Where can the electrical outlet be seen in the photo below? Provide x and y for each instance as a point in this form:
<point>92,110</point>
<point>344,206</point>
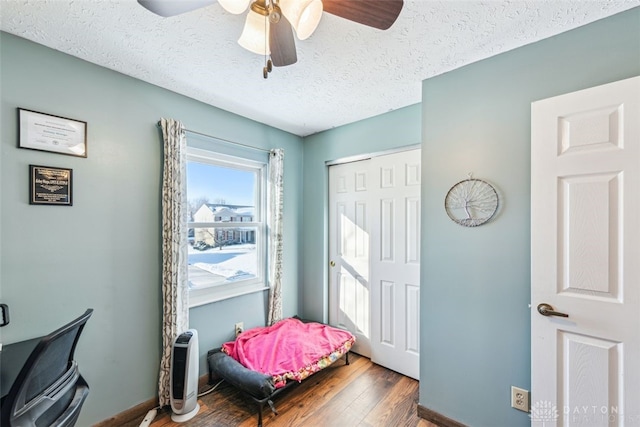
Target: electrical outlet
<point>520,399</point>
<point>239,328</point>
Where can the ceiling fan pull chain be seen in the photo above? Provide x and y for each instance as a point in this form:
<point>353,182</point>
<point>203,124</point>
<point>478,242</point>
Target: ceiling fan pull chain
<point>267,62</point>
<point>267,69</point>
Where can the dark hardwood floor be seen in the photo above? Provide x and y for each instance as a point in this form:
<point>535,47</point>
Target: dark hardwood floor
<point>359,394</point>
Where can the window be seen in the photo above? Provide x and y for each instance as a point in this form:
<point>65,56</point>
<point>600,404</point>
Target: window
<point>225,258</point>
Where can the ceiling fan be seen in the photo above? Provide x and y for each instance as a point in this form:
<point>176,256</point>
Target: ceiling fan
<point>270,24</point>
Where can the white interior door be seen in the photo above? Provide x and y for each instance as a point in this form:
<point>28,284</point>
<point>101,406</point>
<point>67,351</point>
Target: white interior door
<point>349,248</point>
<point>585,250</point>
<point>395,262</point>
<point>374,250</point>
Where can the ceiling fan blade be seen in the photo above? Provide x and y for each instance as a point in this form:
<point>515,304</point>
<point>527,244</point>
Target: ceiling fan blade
<point>380,14</point>
<point>168,8</point>
<point>282,43</point>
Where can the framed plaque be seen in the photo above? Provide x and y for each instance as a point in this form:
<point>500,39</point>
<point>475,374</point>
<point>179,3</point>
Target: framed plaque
<point>50,186</point>
<point>44,132</point>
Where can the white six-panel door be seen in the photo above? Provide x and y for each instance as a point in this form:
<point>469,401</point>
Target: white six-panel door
<point>585,249</point>
<point>395,262</point>
<point>375,246</point>
<point>349,250</point>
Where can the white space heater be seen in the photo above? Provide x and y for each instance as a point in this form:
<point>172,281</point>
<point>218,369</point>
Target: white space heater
<point>184,376</point>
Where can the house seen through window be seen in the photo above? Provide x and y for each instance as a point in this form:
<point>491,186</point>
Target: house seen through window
<point>226,226</point>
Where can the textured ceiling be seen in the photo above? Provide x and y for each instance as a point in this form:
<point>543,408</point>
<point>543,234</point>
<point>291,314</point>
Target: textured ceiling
<point>345,71</point>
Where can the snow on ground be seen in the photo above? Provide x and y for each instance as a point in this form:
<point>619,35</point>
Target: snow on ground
<point>233,262</point>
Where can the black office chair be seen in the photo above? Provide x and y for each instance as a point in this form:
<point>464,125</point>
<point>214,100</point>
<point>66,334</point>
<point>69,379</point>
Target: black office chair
<point>49,390</point>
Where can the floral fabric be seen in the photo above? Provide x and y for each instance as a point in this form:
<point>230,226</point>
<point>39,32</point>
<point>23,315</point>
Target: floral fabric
<point>175,293</point>
<point>276,179</point>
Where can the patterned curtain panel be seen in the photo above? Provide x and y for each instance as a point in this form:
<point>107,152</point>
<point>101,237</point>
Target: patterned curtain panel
<point>175,292</point>
<point>276,166</point>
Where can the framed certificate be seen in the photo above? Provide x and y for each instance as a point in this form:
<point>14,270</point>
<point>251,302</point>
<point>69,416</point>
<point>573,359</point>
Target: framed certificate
<point>50,186</point>
<point>44,132</point>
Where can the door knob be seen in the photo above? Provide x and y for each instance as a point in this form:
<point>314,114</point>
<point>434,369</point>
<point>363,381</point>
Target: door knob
<point>547,310</point>
<point>332,264</point>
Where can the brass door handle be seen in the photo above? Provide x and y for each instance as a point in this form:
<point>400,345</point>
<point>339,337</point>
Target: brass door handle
<point>547,310</point>
<point>332,263</point>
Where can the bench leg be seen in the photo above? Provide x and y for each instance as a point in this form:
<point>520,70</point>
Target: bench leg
<point>260,406</point>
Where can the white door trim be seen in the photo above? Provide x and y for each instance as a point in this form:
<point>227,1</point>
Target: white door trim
<point>359,157</point>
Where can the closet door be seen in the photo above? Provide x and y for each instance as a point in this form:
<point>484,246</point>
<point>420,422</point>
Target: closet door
<point>395,261</point>
<point>374,253</point>
<point>349,247</point>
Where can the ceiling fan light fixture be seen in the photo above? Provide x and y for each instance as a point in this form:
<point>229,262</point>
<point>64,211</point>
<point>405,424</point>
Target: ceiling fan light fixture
<point>254,36</point>
<point>304,15</point>
<point>235,7</point>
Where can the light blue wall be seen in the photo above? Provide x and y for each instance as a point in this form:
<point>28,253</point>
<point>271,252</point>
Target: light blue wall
<point>392,130</point>
<point>475,339</point>
<point>104,252</point>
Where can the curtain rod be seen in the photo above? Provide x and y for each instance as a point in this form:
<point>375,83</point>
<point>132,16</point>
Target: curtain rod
<point>223,140</point>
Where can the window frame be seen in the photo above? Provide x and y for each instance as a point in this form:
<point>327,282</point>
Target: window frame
<point>202,296</point>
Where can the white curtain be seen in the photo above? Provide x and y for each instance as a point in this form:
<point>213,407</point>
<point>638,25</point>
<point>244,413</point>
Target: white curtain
<point>276,166</point>
<point>175,292</point>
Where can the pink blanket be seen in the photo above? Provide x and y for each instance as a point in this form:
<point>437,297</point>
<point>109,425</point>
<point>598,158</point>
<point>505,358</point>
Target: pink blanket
<point>290,349</point>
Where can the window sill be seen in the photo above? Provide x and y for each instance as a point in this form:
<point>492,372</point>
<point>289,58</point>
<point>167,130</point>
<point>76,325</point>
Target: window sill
<point>198,297</point>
